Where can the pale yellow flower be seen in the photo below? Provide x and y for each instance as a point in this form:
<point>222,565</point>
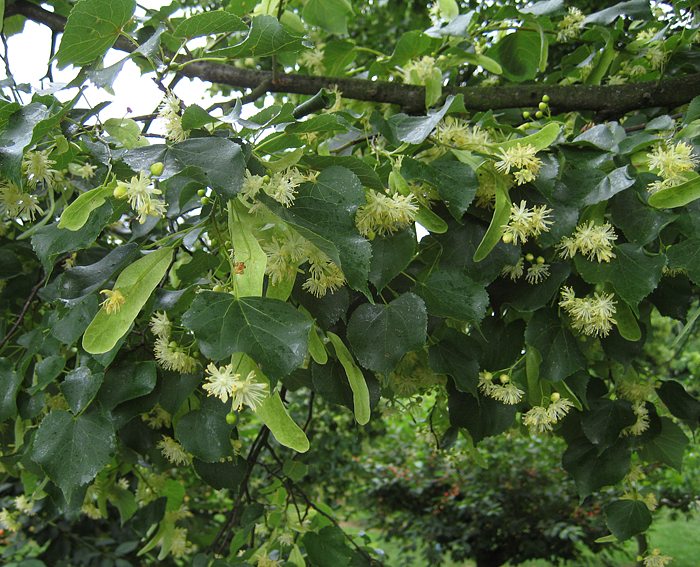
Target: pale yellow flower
<point>113,302</point>
<point>173,451</point>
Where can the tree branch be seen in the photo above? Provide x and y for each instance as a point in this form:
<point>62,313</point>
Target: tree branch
<point>609,100</point>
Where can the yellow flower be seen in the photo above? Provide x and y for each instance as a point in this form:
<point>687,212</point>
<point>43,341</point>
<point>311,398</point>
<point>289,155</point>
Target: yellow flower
<point>591,240</point>
<point>385,214</point>
<point>37,168</point>
<point>570,26</point>
<point>221,381</point>
<point>248,392</point>
<point>522,160</point>
<point>591,316</point>
<point>173,357</point>
<point>173,451</point>
<point>16,203</point>
<point>170,111</point>
<point>160,325</point>
<point>655,559</point>
<point>113,302</point>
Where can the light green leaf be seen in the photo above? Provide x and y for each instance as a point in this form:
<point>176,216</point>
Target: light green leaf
<point>275,416</point>
<point>493,235</point>
<point>358,385</point>
<point>539,140</point>
<point>246,249</point>
<point>626,322</point>
<point>127,131</point>
<point>266,37</point>
<point>331,15</point>
<point>135,283</point>
<point>677,196</point>
<point>316,349</point>
<point>76,214</point>
<point>92,28</point>
<point>209,23</point>
<point>519,54</point>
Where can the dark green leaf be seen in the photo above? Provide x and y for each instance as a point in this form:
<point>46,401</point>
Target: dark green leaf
<point>679,402</point>
<point>381,334</point>
<point>196,117</point>
<point>324,212</point>
<point>639,9</point>
<point>457,355</point>
<point>126,383</point>
<point>328,548</point>
<point>667,447</point>
<point>606,420</point>
<point>686,256</point>
<point>561,356</point>
<point>10,381</point>
<point>449,292</point>
<point>204,432</point>
<point>272,332</point>
<point>16,136</point>
<point>229,474</point>
<point>482,417</point>
<point>92,28</point>
<point>367,176</point>
<point>47,370</point>
<point>80,387</point>
<point>603,136</point>
<point>456,182</point>
<point>639,222</point>
<point>533,297</point>
<point>626,518</point>
<point>593,469</point>
<point>73,450</point>
<point>415,129</point>
<point>390,256</point>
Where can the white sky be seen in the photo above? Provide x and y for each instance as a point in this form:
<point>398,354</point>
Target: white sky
<point>134,94</point>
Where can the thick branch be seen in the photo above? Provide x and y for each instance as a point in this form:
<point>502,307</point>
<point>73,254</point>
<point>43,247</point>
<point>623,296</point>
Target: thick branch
<point>610,100</point>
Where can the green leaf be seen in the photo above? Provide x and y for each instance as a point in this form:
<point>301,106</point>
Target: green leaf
<point>367,176</point>
<point>381,334</point>
<point>390,256</point>
<point>593,469</point>
<point>196,117</point>
<point>482,417</point>
<point>229,474</point>
<point>411,45</point>
<point>204,432</point>
<point>639,222</point>
<point>10,382</point>
<point>324,212</point>
<point>457,355</point>
<point>127,382</point>
<point>79,388</point>
<point>450,292</point>
<point>519,55</point>
<point>328,548</point>
<point>316,348</point>
<point>358,385</point>
<point>266,37</point>
<point>415,129</point>
<point>92,28</point>
<point>16,136</point>
<point>540,140</point>
<point>75,215</point>
<point>679,402</point>
<point>246,249</point>
<point>275,416</point>
<point>560,353</point>
<point>638,9</point>
<point>330,15</point>
<point>606,420</point>
<point>456,182</point>
<point>136,284</point>
<point>209,23</point>
<point>46,371</point>
<point>126,131</point>
<point>667,447</point>
<point>626,518</point>
<point>686,256</point>
<point>626,322</point>
<point>272,332</point>
<point>633,273</point>
<point>493,235</point>
<point>677,196</point>
<point>73,450</point>
<point>220,160</point>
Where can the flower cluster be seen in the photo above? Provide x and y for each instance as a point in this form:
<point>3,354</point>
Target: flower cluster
<point>170,112</point>
<point>114,299</point>
<point>521,160</point>
<point>540,419</point>
<point>671,163</point>
<point>570,26</point>
<point>142,195</point>
<point>37,168</point>
<point>84,171</point>
<point>16,203</point>
<point>458,133</point>
<point>524,223</point>
<point>312,59</point>
<point>173,451</point>
<point>591,240</point>
<point>504,391</point>
<point>592,316</point>
<point>172,356</point>
<point>418,71</point>
<point>413,375</point>
<point>282,186</point>
<point>642,423</point>
<point>385,214</point>
<point>324,274</point>
<point>223,382</point>
<point>655,559</point>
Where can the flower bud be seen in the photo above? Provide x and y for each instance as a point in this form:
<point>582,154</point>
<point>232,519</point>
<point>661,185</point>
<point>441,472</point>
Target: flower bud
<point>545,98</point>
<point>507,238</point>
<point>542,106</point>
<point>504,378</point>
<point>201,192</point>
<point>539,114</point>
<point>540,260</point>
<point>231,418</point>
<point>526,115</point>
<point>555,397</point>
<point>157,168</point>
<point>530,257</point>
<point>119,192</point>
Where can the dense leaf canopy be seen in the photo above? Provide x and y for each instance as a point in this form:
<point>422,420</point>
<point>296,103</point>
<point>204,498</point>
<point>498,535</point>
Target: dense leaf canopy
<point>478,206</point>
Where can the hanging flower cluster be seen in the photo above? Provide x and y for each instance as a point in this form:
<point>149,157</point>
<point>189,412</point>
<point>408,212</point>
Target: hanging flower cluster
<point>524,222</point>
<point>222,382</point>
<point>570,25</point>
<point>592,316</point>
<point>385,214</point>
<point>142,195</point>
<point>169,354</point>
<point>671,163</point>
<point>540,419</point>
<point>521,160</point>
<point>504,391</point>
<point>169,111</point>
<point>591,240</point>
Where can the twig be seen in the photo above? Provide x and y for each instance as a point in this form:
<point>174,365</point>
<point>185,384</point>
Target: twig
<point>23,312</point>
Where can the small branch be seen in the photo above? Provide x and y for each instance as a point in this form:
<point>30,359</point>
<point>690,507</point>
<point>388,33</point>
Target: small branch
<point>310,414</point>
<point>23,312</point>
<point>609,100</point>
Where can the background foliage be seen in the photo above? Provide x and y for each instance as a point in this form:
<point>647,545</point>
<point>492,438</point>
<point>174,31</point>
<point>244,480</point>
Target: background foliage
<point>205,335</point>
